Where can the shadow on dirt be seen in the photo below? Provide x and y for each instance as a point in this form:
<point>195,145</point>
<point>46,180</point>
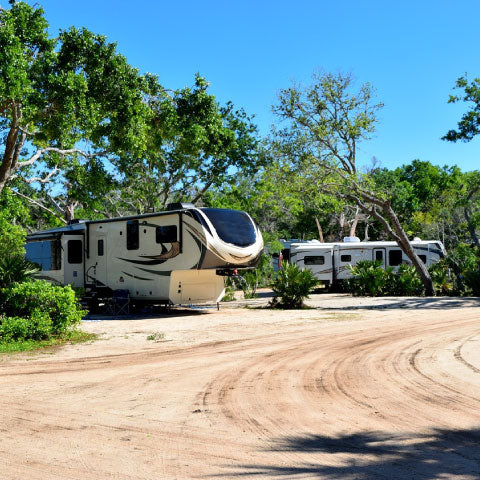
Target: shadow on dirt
<point>408,303</point>
<point>153,313</point>
<point>371,456</point>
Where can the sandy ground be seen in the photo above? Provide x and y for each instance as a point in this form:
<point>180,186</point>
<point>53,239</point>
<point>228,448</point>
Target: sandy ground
<point>349,389</point>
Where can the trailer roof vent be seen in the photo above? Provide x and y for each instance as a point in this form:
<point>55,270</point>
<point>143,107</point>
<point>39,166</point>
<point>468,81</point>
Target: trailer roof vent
<point>179,206</point>
<point>351,239</point>
<point>417,239</point>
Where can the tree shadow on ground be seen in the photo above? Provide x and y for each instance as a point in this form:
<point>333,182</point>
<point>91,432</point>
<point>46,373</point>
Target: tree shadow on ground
<point>149,314</point>
<point>408,303</point>
<point>439,454</point>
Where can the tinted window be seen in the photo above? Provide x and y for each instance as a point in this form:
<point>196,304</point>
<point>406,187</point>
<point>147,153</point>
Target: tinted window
<point>46,254</point>
<point>132,235</point>
<point>75,253</point>
<point>423,258</point>
<point>379,255</point>
<point>232,226</point>
<point>100,248</point>
<point>199,218</point>
<point>320,260</point>
<point>167,234</point>
<point>395,257</point>
<point>346,258</point>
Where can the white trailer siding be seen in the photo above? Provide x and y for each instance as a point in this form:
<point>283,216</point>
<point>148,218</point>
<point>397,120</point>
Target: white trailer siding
<point>339,256</point>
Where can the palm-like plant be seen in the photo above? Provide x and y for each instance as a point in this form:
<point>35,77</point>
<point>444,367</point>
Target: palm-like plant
<point>292,286</point>
<point>16,268</point>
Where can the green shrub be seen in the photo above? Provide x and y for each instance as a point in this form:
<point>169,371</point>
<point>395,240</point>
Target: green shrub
<point>28,299</point>
<point>37,327</point>
<point>250,280</point>
<point>292,286</point>
<point>229,291</point>
<point>369,278</point>
<point>472,281</point>
<point>13,328</point>
<point>442,282</point>
<point>406,282</point>
<point>15,268</point>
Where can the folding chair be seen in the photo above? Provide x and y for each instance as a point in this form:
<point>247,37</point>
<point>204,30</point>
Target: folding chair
<point>120,302</point>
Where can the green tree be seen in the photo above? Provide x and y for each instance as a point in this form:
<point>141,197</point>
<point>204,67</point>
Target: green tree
<point>63,98</point>
<point>468,129</point>
<point>469,124</point>
<point>425,197</point>
<point>335,120</point>
<point>193,144</point>
<point>12,234</point>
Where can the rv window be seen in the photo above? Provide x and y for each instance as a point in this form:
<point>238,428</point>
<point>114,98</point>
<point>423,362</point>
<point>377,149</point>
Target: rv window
<point>394,257</point>
<point>100,248</point>
<point>167,234</point>
<point>345,258</point>
<point>378,255</point>
<point>423,258</point>
<point>132,235</point>
<point>314,260</point>
<point>46,254</point>
<point>75,253</point>
<point>232,226</point>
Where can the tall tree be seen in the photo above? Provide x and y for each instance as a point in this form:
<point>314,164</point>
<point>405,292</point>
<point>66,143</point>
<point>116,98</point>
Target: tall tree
<point>63,98</point>
<point>468,129</point>
<point>335,120</point>
<point>193,143</point>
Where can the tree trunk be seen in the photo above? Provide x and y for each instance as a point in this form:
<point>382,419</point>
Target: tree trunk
<point>341,225</point>
<point>320,231</point>
<point>407,248</point>
<point>353,228</point>
<point>471,228</point>
<point>366,238</point>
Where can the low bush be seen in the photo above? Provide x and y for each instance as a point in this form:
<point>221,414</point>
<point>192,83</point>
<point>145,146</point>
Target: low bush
<point>472,281</point>
<point>48,308</point>
<point>37,327</point>
<point>292,286</point>
<point>441,278</point>
<point>406,282</point>
<point>369,278</point>
<point>250,280</point>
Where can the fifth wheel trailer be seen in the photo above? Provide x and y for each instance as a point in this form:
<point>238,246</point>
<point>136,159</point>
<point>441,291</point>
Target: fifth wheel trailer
<point>329,261</point>
<point>180,256</point>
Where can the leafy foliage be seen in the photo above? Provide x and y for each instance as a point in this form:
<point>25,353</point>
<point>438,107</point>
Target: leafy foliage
<point>292,286</point>
<point>15,269</point>
<point>57,92</point>
<point>35,300</point>
<point>371,279</point>
<point>37,327</point>
<point>469,125</point>
<point>472,280</point>
<point>250,280</point>
<point>406,282</point>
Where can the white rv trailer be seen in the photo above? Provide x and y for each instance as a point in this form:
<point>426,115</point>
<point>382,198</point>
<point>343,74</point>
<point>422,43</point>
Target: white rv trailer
<point>180,256</point>
<point>329,261</point>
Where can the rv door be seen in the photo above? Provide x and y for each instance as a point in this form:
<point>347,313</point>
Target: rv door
<point>73,256</point>
<point>379,255</point>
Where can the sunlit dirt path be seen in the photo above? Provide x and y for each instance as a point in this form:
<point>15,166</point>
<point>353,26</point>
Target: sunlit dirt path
<point>350,389</point>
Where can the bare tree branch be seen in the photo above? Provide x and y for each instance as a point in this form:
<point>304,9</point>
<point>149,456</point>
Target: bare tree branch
<point>38,204</point>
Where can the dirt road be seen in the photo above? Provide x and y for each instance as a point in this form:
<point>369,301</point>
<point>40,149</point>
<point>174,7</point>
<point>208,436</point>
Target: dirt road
<point>353,388</point>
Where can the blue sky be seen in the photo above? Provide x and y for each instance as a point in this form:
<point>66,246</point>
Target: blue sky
<point>410,51</point>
